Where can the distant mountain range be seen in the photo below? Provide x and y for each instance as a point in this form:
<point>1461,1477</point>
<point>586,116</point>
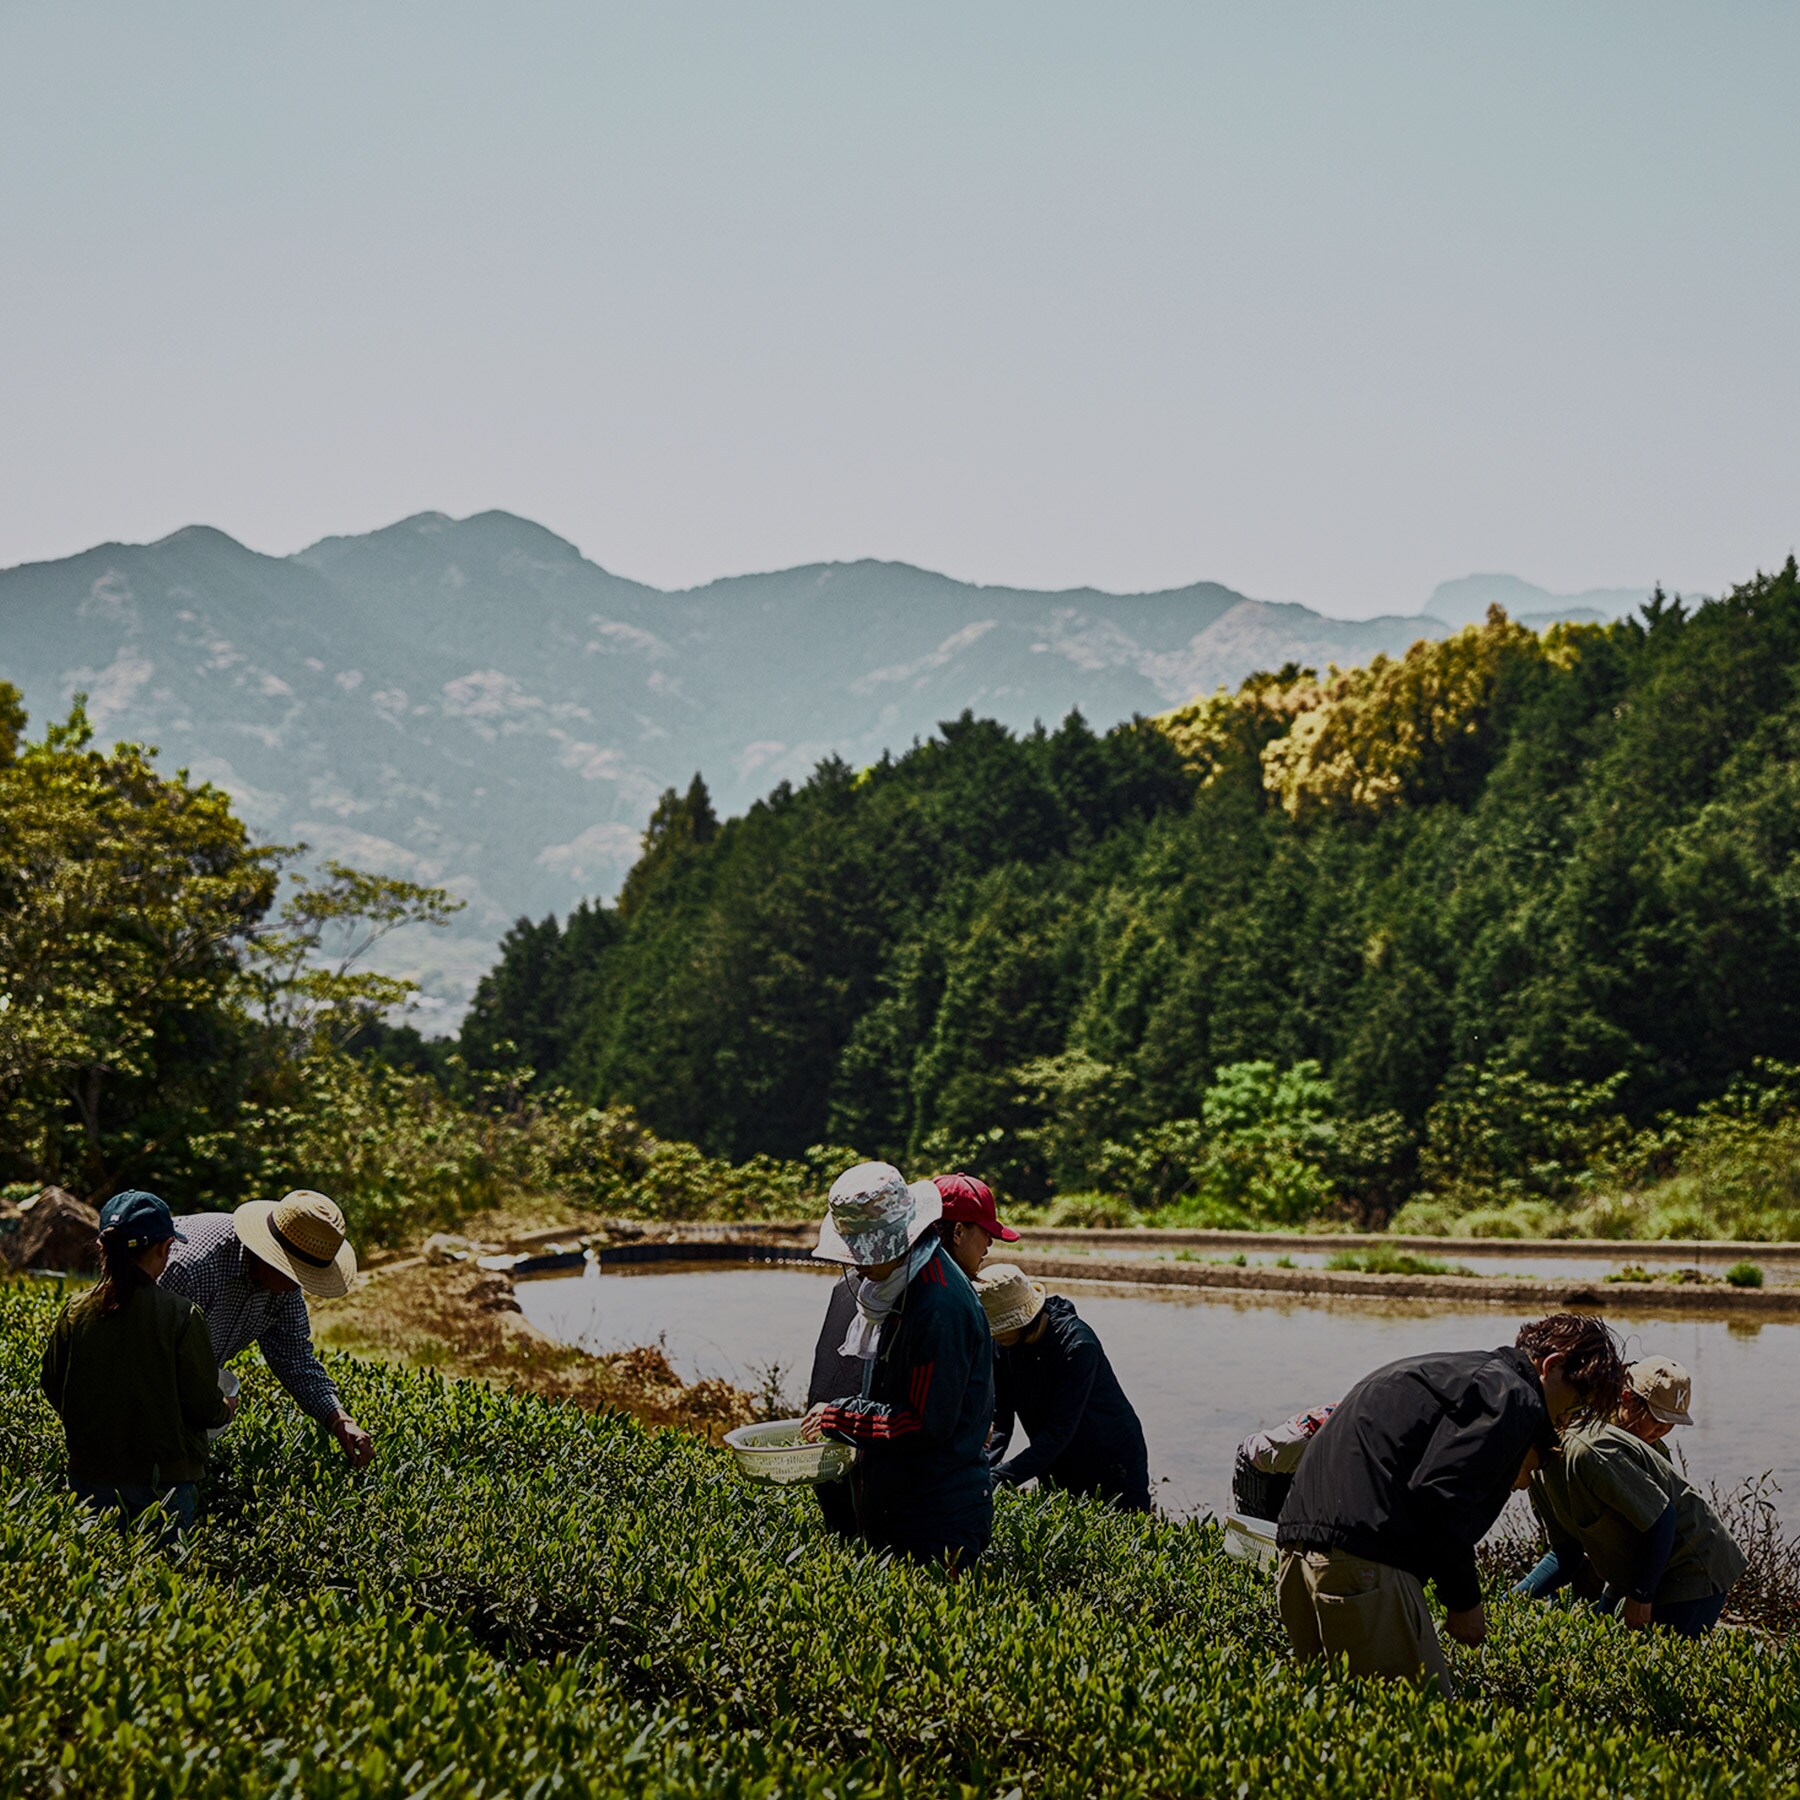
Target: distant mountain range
<point>1465,601</point>
<point>473,702</point>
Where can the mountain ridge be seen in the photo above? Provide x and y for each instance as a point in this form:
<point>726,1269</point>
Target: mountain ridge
<point>475,702</point>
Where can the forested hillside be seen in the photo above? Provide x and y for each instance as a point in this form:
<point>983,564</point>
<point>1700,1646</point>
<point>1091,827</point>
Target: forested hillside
<point>1512,919</point>
<point>474,704</point>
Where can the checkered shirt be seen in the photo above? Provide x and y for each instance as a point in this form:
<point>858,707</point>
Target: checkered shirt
<point>209,1270</point>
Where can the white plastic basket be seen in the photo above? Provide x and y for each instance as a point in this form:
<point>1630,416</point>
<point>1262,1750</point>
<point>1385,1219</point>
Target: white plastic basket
<point>774,1455</point>
<point>1250,1540</point>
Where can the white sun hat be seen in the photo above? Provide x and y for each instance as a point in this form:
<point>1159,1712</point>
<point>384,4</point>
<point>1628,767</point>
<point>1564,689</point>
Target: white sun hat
<point>873,1216</point>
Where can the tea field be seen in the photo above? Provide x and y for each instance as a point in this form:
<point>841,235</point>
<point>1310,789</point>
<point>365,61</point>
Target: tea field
<point>521,1598</point>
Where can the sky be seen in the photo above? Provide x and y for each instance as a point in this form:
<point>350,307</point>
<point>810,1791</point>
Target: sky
<point>1328,303</point>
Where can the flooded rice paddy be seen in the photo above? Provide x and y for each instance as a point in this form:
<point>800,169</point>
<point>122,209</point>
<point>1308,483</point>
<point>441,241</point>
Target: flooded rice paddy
<point>1489,1258</point>
<point>1204,1368</point>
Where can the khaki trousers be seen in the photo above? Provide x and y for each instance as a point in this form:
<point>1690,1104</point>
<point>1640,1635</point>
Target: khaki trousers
<point>1338,1605</point>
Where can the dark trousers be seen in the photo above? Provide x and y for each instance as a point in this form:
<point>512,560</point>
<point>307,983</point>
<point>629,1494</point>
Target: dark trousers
<point>838,1504</point>
<point>174,1506</point>
<point>1124,1490</point>
<point>1686,1618</point>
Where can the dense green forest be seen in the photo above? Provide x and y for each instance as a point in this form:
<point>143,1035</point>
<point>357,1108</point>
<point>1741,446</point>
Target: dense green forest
<point>1509,925</point>
<point>1501,936</point>
<point>181,1009</point>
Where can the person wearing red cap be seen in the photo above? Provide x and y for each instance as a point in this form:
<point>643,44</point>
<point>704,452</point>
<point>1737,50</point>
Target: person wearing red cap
<point>969,1223</point>
<point>967,1228</point>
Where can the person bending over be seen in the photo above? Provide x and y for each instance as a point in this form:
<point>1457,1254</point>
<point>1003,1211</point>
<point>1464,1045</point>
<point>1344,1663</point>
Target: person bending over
<point>129,1370</point>
<point>1051,1375</point>
<point>920,1417</point>
<point>1263,1473</point>
<point>1608,1499</point>
<point>1405,1479</point>
<point>247,1271</point>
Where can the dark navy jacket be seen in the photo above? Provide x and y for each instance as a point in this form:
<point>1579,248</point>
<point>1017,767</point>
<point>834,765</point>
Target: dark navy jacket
<point>833,1373</point>
<point>1085,1436</point>
<point>921,1481</point>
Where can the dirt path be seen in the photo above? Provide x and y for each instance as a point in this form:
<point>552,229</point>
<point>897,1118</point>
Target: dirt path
<point>466,1321</point>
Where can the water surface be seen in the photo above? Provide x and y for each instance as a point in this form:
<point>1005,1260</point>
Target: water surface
<point>1203,1367</point>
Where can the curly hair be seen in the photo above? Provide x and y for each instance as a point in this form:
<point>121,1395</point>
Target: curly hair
<point>1592,1365</point>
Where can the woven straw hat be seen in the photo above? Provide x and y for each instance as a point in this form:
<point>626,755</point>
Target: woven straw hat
<point>1009,1297</point>
<point>301,1234</point>
<point>874,1217</point>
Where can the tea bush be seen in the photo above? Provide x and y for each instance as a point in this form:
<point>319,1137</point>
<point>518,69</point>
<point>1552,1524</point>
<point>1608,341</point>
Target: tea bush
<point>521,1598</point>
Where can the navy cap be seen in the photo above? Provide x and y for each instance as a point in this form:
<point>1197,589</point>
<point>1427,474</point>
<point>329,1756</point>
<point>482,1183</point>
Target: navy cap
<point>141,1219</point>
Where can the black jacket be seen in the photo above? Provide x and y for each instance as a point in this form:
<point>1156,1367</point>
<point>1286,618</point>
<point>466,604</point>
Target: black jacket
<point>1415,1464</point>
<point>921,1480</point>
<point>1085,1436</point>
<point>833,1373</point>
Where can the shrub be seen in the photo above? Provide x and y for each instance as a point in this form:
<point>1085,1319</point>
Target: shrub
<point>1094,1212</point>
<point>1380,1260</point>
<point>1499,1134</point>
<point>1744,1275</point>
<point>521,1599</point>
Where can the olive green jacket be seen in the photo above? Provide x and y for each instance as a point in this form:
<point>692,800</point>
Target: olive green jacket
<point>1603,1492</point>
<point>136,1389</point>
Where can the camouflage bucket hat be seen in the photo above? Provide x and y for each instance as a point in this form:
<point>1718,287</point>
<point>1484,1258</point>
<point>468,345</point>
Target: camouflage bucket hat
<point>873,1216</point>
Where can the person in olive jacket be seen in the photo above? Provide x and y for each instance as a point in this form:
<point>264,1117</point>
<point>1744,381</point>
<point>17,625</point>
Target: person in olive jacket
<point>1611,1501</point>
<point>1408,1475</point>
<point>129,1370</point>
<point>920,1417</point>
<point>1052,1377</point>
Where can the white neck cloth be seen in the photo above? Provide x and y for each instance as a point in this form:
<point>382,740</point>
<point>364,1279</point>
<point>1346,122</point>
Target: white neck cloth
<point>876,1300</point>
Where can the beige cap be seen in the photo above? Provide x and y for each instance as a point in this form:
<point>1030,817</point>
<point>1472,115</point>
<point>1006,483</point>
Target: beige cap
<point>301,1234</point>
<point>1664,1386</point>
<point>1009,1297</point>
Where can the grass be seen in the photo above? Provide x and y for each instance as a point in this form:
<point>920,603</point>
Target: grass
<point>522,1598</point>
<point>1681,1277</point>
<point>465,1321</point>
<point>1380,1260</point>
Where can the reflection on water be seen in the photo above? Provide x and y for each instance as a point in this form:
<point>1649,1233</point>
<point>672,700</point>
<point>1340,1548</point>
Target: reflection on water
<point>1203,1368</point>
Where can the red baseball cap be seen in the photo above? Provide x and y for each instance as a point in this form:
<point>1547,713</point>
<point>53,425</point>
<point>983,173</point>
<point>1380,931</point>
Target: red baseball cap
<point>972,1203</point>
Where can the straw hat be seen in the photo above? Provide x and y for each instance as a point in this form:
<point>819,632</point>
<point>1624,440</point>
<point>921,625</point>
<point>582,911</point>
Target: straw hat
<point>301,1234</point>
<point>872,1215</point>
<point>1009,1297</point>
<point>1665,1387</point>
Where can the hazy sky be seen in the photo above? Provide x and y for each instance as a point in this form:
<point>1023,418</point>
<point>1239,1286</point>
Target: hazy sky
<point>1326,302</point>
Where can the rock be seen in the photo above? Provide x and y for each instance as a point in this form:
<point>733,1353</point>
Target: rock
<point>54,1230</point>
<point>446,1247</point>
<point>493,1294</point>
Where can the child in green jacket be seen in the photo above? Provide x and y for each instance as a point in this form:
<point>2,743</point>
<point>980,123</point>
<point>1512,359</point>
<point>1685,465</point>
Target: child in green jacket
<point>130,1372</point>
<point>1611,1501</point>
